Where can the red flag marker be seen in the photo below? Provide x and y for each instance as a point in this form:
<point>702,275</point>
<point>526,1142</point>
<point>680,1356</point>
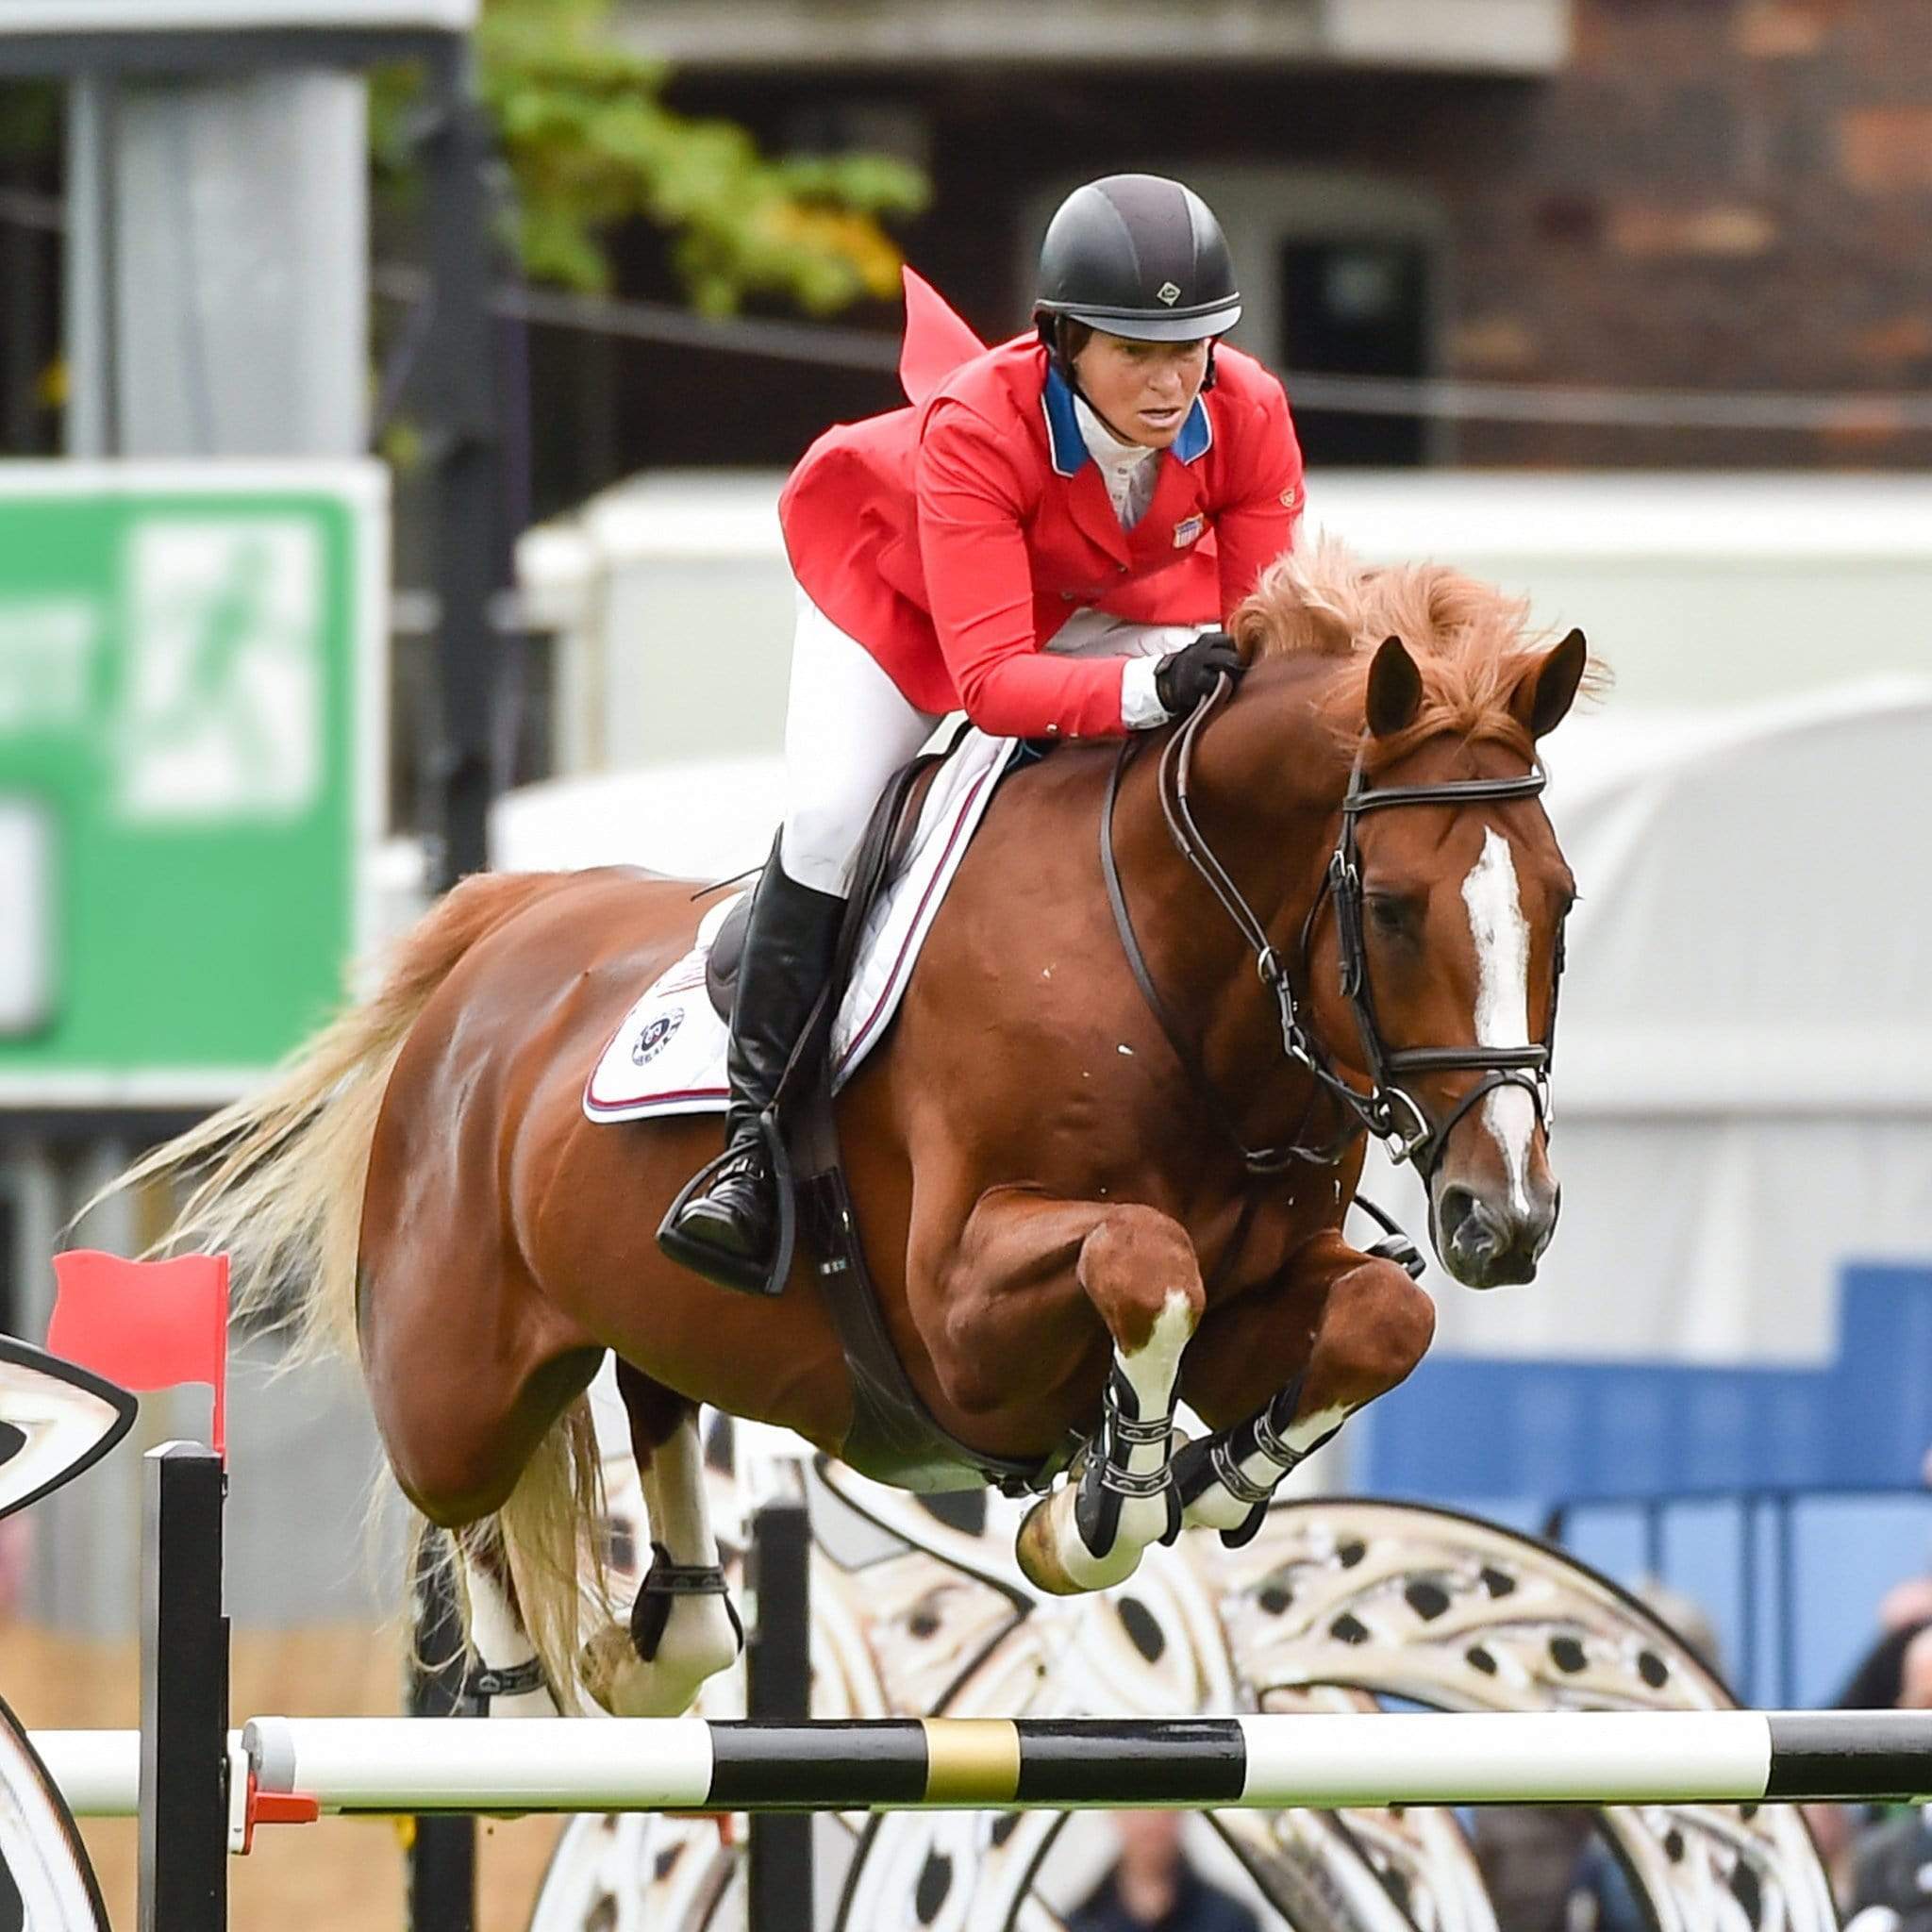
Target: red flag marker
<point>146,1324</point>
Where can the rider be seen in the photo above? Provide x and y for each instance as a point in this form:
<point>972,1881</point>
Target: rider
<point>1046,541</point>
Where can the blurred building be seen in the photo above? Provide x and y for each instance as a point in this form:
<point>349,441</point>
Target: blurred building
<point>1634,235</point>
<point>1715,196</point>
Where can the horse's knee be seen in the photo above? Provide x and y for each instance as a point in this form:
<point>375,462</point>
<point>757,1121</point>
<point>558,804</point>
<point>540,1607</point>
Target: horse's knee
<point>969,1382</point>
<point>1377,1327</point>
<point>1138,1269</point>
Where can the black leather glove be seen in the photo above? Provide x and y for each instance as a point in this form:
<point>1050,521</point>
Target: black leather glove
<point>1188,675</point>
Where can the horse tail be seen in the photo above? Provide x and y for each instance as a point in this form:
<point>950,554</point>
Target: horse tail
<point>276,1177</point>
<point>549,1535</point>
<point>276,1181</point>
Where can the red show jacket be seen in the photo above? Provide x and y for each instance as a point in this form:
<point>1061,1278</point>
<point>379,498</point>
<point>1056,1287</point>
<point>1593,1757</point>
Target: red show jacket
<point>955,537</point>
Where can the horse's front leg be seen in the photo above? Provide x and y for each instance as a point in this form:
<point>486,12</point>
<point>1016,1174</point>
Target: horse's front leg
<point>1006,1297</point>
<point>1277,1371</point>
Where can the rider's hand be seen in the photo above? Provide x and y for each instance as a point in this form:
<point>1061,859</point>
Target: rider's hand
<point>1188,675</point>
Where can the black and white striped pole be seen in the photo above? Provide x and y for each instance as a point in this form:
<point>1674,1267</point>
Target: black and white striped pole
<point>1264,1763</point>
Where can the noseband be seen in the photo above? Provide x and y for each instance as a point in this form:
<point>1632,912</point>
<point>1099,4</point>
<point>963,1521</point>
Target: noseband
<point>1388,1110</point>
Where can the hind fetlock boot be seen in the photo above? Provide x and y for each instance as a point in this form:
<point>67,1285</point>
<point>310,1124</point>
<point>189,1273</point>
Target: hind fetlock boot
<point>729,1231</point>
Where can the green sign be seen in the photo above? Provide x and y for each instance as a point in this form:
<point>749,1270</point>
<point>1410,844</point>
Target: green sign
<point>192,680</point>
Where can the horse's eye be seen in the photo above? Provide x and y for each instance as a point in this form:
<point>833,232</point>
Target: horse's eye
<point>1391,914</point>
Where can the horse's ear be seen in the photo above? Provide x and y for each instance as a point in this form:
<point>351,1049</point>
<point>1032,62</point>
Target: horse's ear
<point>1548,688</point>
<point>1395,689</point>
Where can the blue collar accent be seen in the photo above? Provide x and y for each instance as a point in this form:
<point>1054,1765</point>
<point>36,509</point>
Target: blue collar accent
<point>1069,447</point>
<point>1197,434</point>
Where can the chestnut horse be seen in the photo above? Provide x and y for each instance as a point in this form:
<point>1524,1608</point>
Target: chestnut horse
<point>1057,1156</point>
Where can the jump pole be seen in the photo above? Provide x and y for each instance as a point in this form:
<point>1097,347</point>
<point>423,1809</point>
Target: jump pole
<point>1317,1759</point>
<point>184,1763</point>
<point>779,1877</point>
<point>1270,1761</point>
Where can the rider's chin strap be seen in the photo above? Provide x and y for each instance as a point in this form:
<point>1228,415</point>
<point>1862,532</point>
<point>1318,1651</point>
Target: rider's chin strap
<point>1049,327</point>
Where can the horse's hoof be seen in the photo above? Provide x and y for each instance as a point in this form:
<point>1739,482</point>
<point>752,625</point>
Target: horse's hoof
<point>602,1660</point>
<point>702,1637</point>
<point>1049,1565</point>
<point>1036,1549</point>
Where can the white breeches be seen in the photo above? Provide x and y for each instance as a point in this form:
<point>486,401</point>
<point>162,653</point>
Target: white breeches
<point>847,729</point>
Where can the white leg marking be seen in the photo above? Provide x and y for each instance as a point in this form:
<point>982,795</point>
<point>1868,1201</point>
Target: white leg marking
<point>1151,1371</point>
<point>497,1636</point>
<point>698,1640</point>
<point>675,1497</point>
<point>1502,1000</point>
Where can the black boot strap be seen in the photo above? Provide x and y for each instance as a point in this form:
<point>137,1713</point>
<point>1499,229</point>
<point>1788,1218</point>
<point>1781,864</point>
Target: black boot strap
<point>1271,1445</point>
<point>516,1680</point>
<point>1228,1474</point>
<point>1125,1482</point>
<point>666,1578</point>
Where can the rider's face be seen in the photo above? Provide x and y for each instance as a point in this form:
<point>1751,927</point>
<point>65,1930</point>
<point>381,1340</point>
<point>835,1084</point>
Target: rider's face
<point>1142,390</point>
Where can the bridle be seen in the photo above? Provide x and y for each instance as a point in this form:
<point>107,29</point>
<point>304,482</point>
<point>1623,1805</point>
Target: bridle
<point>1388,1110</point>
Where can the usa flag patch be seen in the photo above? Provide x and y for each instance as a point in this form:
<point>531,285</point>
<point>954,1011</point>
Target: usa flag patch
<point>1186,531</point>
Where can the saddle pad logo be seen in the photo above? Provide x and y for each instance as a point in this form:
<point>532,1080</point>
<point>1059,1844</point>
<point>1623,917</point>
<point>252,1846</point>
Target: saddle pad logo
<point>1186,531</point>
<point>1169,293</point>
<point>656,1036</point>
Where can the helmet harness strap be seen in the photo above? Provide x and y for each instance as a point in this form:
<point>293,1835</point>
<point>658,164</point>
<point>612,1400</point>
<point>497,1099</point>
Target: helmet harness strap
<point>1051,336</point>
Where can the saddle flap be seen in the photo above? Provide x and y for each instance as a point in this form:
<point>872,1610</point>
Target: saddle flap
<point>881,853</point>
<point>669,1054</point>
<point>722,961</point>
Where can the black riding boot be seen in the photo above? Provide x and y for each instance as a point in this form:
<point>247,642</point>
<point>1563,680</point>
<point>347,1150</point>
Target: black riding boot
<point>729,1232</point>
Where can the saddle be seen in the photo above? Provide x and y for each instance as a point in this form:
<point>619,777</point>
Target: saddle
<point>894,1437</point>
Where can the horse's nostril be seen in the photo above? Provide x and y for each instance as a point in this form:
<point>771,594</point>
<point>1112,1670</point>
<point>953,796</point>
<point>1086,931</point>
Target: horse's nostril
<point>1453,1207</point>
<point>1470,1230</point>
<point>1478,1240</point>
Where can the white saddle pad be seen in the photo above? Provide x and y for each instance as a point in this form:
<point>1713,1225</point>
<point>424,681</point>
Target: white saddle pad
<point>668,1057</point>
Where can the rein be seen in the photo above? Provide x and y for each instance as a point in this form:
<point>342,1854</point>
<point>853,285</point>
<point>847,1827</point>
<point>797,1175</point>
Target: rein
<point>1380,1110</point>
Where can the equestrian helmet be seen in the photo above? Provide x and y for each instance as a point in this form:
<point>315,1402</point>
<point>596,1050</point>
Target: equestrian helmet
<point>1142,256</point>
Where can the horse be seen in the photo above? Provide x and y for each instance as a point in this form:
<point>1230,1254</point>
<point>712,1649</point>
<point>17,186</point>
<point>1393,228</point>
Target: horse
<point>1101,1163</point>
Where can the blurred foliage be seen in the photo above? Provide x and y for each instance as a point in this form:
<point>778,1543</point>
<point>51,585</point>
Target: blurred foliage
<point>29,119</point>
<point>590,145</point>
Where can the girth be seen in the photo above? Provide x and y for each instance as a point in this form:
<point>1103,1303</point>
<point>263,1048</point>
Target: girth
<point>894,1437</point>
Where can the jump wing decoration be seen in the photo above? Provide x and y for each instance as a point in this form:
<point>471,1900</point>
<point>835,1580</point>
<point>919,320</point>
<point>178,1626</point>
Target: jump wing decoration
<point>918,1608</point>
<point>46,1884</point>
<point>56,1421</point>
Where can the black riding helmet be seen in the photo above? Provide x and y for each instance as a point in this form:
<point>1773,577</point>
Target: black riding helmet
<point>1136,255</point>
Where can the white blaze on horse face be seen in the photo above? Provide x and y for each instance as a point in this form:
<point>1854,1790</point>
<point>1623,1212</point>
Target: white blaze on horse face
<point>1502,1000</point>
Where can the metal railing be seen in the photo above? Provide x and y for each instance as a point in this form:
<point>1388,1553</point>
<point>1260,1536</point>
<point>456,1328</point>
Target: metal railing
<point>1764,1665</point>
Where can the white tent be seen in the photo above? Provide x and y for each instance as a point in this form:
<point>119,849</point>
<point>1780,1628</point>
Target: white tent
<point>1743,1078</point>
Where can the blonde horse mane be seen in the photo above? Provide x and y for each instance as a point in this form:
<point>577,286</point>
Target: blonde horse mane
<point>1471,642</point>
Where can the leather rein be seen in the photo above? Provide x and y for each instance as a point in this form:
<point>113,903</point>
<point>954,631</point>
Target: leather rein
<point>1388,1110</point>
